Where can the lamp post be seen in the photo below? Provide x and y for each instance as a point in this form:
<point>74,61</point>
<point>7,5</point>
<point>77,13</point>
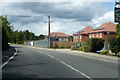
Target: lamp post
<point>108,42</point>
<point>55,41</point>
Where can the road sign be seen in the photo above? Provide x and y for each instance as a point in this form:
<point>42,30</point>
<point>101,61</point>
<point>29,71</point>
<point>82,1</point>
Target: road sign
<point>117,14</point>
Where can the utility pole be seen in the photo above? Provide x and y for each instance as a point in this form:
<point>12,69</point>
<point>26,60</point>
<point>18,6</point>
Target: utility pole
<point>49,30</point>
<point>79,38</point>
<point>55,41</point>
<point>108,33</point>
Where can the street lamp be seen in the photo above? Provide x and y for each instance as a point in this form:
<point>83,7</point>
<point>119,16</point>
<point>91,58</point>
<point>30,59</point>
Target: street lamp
<point>78,38</point>
<point>55,41</point>
<point>108,42</point>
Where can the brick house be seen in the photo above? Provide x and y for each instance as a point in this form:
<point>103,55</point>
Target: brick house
<point>101,32</point>
<point>60,36</point>
<point>83,34</point>
<point>61,39</point>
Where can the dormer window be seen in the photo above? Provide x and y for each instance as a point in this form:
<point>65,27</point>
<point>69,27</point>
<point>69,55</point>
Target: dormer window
<point>99,29</point>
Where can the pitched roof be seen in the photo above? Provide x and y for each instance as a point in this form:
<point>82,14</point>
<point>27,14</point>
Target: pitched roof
<point>58,34</point>
<point>109,26</point>
<point>85,30</point>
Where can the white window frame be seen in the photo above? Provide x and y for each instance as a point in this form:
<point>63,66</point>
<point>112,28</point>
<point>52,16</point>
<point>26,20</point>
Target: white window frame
<point>74,37</point>
<point>90,36</point>
<point>93,35</point>
<point>100,34</point>
<point>80,37</point>
<point>97,34</point>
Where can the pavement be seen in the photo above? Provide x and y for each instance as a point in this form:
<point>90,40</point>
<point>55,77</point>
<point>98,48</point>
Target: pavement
<point>33,62</point>
<point>92,55</point>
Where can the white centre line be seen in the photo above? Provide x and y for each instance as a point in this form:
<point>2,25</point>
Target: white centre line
<point>9,59</point>
<point>76,70</point>
<point>50,56</point>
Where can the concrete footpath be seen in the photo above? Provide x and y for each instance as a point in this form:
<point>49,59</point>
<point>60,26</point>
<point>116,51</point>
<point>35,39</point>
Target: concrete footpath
<point>108,58</point>
<point>90,55</point>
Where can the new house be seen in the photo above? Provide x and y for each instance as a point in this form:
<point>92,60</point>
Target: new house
<point>104,31</point>
<point>83,34</point>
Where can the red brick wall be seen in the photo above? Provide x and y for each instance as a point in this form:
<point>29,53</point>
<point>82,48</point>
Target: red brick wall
<point>104,35</point>
<point>62,44</point>
<point>75,38</point>
<point>83,38</point>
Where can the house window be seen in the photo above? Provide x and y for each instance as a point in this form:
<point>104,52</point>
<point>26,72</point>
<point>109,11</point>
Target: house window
<point>97,34</point>
<point>93,35</point>
<point>74,37</point>
<point>90,36</point>
<point>100,34</point>
<point>80,36</point>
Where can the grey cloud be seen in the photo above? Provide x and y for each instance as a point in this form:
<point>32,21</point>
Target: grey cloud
<point>60,10</point>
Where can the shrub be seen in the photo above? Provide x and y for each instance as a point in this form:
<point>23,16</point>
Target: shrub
<point>104,51</point>
<point>80,49</point>
<point>74,47</point>
<point>115,45</point>
<point>85,49</point>
<point>94,44</point>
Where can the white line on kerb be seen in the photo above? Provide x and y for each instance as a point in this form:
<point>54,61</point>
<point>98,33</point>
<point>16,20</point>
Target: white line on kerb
<point>50,56</point>
<point>76,70</point>
<point>9,59</point>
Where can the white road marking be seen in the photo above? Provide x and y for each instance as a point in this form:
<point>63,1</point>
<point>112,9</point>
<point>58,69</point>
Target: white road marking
<point>50,56</point>
<point>9,59</point>
<point>76,70</point>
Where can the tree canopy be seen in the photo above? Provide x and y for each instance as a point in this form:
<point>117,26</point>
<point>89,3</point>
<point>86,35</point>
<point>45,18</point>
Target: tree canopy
<point>8,35</point>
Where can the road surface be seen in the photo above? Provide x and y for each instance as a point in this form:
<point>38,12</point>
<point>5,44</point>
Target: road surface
<point>40,63</point>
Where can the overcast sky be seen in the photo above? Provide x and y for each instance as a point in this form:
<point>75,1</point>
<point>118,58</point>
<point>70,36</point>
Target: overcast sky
<point>67,17</point>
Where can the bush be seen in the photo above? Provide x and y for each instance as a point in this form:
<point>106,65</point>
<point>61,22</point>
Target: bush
<point>115,45</point>
<point>104,51</point>
<point>80,49</point>
<point>85,49</point>
<point>74,47</point>
<point>94,44</point>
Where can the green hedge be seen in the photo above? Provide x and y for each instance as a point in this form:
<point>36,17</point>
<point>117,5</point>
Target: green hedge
<point>94,44</point>
<point>115,45</point>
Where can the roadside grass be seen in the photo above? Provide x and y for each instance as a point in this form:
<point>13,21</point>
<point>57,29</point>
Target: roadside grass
<point>116,55</point>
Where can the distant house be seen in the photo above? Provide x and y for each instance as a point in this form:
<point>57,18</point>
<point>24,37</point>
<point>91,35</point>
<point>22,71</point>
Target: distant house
<point>61,39</point>
<point>83,34</point>
<point>59,36</point>
<point>103,31</point>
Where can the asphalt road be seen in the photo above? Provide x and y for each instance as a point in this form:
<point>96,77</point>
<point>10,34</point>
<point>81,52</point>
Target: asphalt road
<point>41,63</point>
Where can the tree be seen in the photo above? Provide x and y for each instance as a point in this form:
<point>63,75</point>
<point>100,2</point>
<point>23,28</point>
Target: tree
<point>6,31</point>
<point>115,41</point>
<point>94,44</point>
<point>41,36</point>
